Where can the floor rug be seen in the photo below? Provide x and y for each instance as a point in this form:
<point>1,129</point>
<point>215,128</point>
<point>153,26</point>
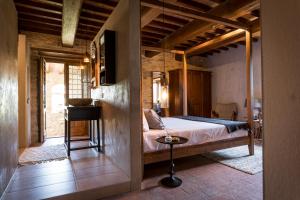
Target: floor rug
<point>35,155</point>
<point>239,158</point>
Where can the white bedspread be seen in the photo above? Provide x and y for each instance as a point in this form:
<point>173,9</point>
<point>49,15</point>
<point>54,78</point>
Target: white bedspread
<point>196,132</point>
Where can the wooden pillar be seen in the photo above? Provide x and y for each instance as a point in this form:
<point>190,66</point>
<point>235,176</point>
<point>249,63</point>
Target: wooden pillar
<point>184,85</point>
<point>249,78</point>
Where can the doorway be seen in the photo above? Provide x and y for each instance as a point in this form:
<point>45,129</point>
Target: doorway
<point>55,98</point>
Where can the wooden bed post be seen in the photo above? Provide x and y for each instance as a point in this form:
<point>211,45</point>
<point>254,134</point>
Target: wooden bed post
<point>249,85</point>
<point>185,66</point>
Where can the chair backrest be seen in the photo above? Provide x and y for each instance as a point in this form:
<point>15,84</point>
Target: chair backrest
<point>225,111</point>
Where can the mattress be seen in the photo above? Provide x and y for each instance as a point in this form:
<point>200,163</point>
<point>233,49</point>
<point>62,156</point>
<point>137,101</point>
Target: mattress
<point>196,132</point>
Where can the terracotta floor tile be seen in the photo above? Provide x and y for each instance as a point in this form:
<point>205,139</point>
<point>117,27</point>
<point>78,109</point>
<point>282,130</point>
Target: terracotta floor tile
<point>101,181</point>
<point>202,179</point>
<point>42,192</point>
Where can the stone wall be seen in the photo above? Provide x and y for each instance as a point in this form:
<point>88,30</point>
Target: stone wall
<point>8,92</point>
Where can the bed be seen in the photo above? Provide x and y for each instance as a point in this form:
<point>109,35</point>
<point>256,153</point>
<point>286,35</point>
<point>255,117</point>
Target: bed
<point>203,137</point>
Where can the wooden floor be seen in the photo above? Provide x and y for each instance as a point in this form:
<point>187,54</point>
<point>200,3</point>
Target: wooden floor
<point>203,179</point>
<point>86,170</point>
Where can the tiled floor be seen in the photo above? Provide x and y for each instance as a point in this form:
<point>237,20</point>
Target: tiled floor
<point>85,170</point>
<point>202,180</point>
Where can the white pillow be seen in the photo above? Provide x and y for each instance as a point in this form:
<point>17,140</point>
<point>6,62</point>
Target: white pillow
<point>145,123</point>
<point>153,119</point>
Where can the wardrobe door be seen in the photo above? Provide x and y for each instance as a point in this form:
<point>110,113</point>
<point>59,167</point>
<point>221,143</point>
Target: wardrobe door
<point>206,88</point>
<point>195,93</point>
<point>175,93</point>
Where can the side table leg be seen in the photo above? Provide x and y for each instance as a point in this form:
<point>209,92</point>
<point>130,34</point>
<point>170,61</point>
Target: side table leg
<point>171,180</point>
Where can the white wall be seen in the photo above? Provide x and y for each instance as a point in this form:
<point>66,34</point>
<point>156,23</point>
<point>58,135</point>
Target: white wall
<point>281,92</point>
<point>229,76</point>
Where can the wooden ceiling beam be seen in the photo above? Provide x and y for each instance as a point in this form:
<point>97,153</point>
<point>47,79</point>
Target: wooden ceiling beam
<point>92,20</point>
<point>168,21</point>
<point>42,2</point>
<point>223,40</point>
<point>100,4</point>
<point>25,22</point>
<point>95,9</point>
<point>30,11</point>
<point>160,36</point>
<point>190,4</point>
<point>230,9</point>
<point>37,8</point>
<point>71,13</point>
<point>170,8</point>
<point>46,30</point>
<point>57,51</point>
<point>156,30</point>
<point>160,26</point>
<point>29,15</point>
<point>158,49</point>
<point>101,14</point>
<point>148,15</point>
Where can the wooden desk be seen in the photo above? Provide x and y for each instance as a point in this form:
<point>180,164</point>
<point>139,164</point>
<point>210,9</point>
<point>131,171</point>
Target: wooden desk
<point>82,113</point>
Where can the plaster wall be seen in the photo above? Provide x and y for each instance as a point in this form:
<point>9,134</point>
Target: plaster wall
<point>281,93</point>
<point>229,76</point>
<point>8,92</point>
<point>121,101</point>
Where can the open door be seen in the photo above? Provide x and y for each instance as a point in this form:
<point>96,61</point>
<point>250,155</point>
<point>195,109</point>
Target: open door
<point>42,100</point>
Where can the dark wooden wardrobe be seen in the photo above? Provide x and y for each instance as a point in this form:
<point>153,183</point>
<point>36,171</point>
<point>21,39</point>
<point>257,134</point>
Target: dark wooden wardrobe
<point>198,93</point>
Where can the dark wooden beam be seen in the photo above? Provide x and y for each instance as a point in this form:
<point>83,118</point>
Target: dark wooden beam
<point>154,35</point>
<point>152,29</point>
<point>223,40</point>
<point>35,12</point>
<point>58,51</point>
<point>194,5</point>
<point>29,15</point>
<point>38,8</point>
<point>110,5</point>
<point>71,13</point>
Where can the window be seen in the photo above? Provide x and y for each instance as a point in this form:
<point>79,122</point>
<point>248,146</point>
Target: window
<point>75,82</point>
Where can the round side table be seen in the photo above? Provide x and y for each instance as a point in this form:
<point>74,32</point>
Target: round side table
<point>172,180</point>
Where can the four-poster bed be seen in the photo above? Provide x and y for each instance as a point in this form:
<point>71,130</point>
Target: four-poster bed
<point>221,143</point>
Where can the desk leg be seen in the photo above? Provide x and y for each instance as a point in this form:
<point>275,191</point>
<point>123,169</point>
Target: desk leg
<point>98,136</point>
<point>69,137</point>
<point>66,131</point>
<point>90,129</point>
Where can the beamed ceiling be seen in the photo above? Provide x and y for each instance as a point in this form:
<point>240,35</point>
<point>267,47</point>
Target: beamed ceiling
<point>45,16</point>
<point>179,26</point>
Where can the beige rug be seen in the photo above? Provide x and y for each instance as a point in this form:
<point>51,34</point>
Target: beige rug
<point>239,158</point>
<point>34,155</point>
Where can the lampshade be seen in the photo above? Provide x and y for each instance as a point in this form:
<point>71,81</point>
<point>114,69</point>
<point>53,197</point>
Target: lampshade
<point>86,59</point>
<point>164,96</point>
